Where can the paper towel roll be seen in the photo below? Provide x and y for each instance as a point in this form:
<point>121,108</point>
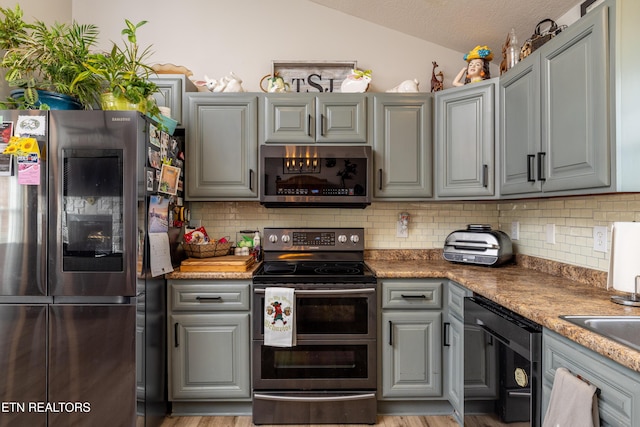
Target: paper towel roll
<point>624,263</point>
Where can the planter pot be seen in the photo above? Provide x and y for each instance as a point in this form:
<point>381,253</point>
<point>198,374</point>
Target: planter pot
<point>110,102</point>
<point>54,100</point>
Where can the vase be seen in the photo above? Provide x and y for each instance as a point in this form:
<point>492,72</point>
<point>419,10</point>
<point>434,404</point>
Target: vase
<point>53,100</point>
<point>108,101</point>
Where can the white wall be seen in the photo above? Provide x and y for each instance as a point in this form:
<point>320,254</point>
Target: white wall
<point>214,37</point>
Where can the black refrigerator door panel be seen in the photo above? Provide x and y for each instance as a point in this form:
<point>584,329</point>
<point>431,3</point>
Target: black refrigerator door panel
<point>22,235</point>
<point>23,331</point>
<point>92,202</point>
<point>92,363</point>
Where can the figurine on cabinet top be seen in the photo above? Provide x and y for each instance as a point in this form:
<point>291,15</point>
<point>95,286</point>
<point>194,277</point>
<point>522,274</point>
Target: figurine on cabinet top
<point>477,68</point>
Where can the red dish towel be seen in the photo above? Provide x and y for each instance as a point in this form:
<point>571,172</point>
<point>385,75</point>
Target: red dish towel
<point>573,402</point>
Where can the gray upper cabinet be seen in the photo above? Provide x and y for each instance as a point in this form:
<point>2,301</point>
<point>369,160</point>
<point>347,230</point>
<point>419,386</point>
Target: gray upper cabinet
<point>222,147</point>
<point>403,146</point>
<point>554,109</point>
<point>172,88</point>
<point>307,119</point>
<point>465,123</point>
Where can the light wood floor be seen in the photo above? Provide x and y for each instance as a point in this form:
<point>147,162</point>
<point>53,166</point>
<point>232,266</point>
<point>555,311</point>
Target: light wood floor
<point>383,421</point>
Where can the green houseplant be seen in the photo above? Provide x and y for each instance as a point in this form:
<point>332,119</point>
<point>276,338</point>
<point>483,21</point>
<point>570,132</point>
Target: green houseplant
<point>125,74</point>
<point>50,58</point>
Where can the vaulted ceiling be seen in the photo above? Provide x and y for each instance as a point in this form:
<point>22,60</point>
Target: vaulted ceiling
<point>456,24</point>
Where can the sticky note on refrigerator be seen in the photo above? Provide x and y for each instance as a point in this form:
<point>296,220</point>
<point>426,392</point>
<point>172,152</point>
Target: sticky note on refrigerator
<point>159,254</point>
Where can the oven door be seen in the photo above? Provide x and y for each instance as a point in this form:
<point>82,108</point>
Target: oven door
<point>315,365</point>
<point>330,313</point>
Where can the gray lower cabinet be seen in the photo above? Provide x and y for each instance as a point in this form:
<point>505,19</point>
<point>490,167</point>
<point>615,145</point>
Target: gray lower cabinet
<point>403,146</point>
<point>465,141</point>
<point>619,387</point>
<point>306,118</point>
<point>209,340</point>
<point>411,339</point>
<point>554,113</point>
<point>222,147</point>
<point>171,90</point>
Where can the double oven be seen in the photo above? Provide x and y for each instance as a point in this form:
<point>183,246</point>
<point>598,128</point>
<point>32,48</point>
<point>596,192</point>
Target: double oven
<point>329,374</point>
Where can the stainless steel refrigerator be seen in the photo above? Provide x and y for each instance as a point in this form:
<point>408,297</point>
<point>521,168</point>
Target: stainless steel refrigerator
<point>73,279</point>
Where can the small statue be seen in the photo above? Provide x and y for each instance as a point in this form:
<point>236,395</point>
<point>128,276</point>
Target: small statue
<point>229,83</point>
<point>356,82</point>
<point>436,79</point>
<point>406,86</point>
<point>477,68</point>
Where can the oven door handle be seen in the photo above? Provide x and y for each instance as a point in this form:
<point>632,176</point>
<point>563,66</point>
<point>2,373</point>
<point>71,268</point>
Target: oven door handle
<point>493,333</point>
<point>326,291</point>
<point>314,399</point>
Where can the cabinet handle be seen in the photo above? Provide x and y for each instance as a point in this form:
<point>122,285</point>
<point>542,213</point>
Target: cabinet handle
<point>250,179</point>
<point>541,156</point>
<point>175,335</point>
<point>530,160</point>
<point>209,299</point>
<point>421,296</point>
<point>321,124</point>
<point>485,176</point>
<point>309,125</point>
<point>380,179</point>
<point>390,332</point>
<point>447,325</point>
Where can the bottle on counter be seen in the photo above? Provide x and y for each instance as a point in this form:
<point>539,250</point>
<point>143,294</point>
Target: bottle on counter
<point>257,248</point>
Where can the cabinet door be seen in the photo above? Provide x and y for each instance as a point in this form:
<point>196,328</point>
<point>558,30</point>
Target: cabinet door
<point>465,140</point>
<point>575,107</point>
<point>411,354</point>
<point>341,118</point>
<point>619,399</point>
<point>403,146</point>
<point>210,356</point>
<point>520,127</point>
<point>222,147</point>
<point>289,118</point>
<point>171,88</point>
<point>455,343</point>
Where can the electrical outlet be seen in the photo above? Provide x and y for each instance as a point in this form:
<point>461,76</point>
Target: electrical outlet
<point>600,239</point>
<point>551,234</point>
<point>515,230</point>
<point>401,231</point>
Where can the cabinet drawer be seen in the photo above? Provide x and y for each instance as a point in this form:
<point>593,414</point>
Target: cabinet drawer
<point>412,294</point>
<point>455,299</point>
<point>209,296</point>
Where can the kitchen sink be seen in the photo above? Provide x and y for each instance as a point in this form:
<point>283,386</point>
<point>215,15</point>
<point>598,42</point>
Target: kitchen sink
<point>623,329</point>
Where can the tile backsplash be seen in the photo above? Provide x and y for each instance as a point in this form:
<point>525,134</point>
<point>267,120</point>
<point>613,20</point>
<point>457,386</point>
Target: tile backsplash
<point>430,222</point>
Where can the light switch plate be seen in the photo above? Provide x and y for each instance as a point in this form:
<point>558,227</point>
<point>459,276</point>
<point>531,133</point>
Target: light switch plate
<point>515,230</point>
<point>401,232</point>
<point>600,239</point>
<point>551,234</point>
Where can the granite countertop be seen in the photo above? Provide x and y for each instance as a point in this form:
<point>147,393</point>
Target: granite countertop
<point>539,296</point>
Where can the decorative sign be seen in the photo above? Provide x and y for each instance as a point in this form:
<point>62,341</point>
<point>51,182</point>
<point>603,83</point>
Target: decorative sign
<point>313,76</point>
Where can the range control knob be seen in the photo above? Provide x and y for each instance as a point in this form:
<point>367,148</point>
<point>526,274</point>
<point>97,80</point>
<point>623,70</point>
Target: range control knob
<point>355,238</point>
<point>285,238</point>
<point>273,238</point>
<point>342,238</point>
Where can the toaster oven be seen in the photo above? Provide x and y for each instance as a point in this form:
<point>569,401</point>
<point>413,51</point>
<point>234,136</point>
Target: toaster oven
<point>478,244</point>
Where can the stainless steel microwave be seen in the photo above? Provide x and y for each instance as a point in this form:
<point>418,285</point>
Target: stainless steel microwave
<point>316,176</point>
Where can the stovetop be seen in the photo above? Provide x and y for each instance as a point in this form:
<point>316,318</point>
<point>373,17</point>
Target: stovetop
<point>314,272</point>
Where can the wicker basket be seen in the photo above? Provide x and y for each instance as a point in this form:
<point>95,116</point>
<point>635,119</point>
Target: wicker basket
<point>207,250</point>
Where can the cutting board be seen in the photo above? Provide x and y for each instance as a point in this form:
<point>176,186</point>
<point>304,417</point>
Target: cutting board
<point>231,263</point>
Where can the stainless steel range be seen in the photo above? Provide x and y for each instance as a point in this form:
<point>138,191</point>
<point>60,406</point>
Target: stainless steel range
<point>329,374</point>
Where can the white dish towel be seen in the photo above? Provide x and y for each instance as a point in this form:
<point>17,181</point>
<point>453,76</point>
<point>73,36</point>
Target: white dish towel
<point>279,317</point>
<point>573,402</point>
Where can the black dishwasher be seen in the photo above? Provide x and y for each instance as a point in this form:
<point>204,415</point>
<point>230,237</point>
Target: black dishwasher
<point>515,345</point>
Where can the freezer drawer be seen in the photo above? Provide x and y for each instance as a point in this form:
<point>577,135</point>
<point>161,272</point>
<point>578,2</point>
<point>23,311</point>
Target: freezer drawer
<point>23,330</point>
<point>92,361</point>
